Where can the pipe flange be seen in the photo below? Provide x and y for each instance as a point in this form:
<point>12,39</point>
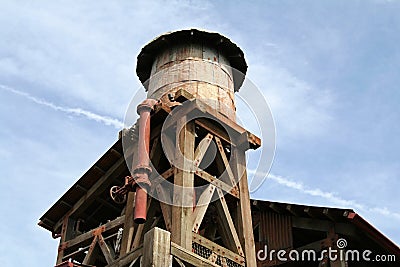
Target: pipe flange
<point>147,105</point>
<point>142,180</point>
<point>142,169</point>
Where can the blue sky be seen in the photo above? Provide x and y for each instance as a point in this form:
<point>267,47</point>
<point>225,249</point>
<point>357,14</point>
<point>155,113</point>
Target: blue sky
<point>329,70</point>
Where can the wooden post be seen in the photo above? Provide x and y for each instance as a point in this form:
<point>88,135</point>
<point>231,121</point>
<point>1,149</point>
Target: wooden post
<point>157,248</point>
<point>129,226</point>
<point>244,216</point>
<point>66,234</point>
<point>183,188</point>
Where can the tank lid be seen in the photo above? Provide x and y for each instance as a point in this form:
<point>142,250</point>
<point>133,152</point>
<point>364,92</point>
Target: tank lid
<point>234,54</point>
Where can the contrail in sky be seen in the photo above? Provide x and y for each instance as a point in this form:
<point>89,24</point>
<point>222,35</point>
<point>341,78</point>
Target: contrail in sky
<point>332,197</point>
<point>68,110</point>
<point>315,192</point>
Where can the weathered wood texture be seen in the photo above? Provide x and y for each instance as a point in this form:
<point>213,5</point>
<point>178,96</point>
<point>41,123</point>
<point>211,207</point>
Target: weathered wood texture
<point>157,248</point>
<point>183,185</point>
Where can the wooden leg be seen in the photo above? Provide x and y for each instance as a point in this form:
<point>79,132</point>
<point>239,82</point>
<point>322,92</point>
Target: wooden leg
<point>183,188</point>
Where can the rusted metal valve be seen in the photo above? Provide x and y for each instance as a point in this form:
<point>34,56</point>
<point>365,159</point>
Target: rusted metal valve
<point>118,193</point>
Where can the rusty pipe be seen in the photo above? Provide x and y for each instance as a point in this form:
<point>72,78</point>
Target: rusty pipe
<point>143,170</point>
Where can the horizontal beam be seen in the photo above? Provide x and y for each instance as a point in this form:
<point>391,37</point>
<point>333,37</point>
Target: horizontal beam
<point>114,224</point>
<point>93,190</point>
<point>217,249</point>
<point>127,259</point>
<point>190,257</point>
<point>323,225</point>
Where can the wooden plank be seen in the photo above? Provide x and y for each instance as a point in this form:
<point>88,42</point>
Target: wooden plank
<point>127,259</point>
<point>105,249</point>
<point>157,249</point>
<point>227,225</point>
<point>218,183</point>
<point>180,113</point>
<point>89,254</point>
<point>217,249</point>
<point>63,238</point>
<point>202,149</point>
<point>183,185</point>
<point>138,236</point>
<point>109,226</point>
<point>246,229</point>
<point>156,152</point>
<point>324,226</point>
<point>166,209</point>
<point>202,206</point>
<point>117,167</point>
<point>227,123</point>
<point>240,133</point>
<point>228,169</point>
<point>160,178</point>
<point>129,226</point>
<point>190,257</point>
<point>212,128</point>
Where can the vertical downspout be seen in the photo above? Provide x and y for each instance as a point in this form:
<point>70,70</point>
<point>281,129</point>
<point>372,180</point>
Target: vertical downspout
<point>143,170</point>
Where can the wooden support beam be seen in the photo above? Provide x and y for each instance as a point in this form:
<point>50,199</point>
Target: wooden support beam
<point>212,128</point>
<point>226,223</point>
<point>64,237</point>
<point>181,229</point>
<point>190,257</point>
<point>324,226</point>
<point>85,237</point>
<point>89,254</point>
<point>101,183</point>
<point>246,231</point>
<point>292,209</point>
<point>156,152</point>
<point>328,214</point>
<point>218,183</point>
<point>165,204</point>
<point>97,168</point>
<point>109,204</point>
<point>138,237</point>
<point>161,178</point>
<point>202,206</point>
<point>224,158</point>
<point>129,226</point>
<point>202,149</point>
<point>311,211</point>
<point>157,248</point>
<point>217,249</point>
<point>105,249</point>
<point>127,259</point>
